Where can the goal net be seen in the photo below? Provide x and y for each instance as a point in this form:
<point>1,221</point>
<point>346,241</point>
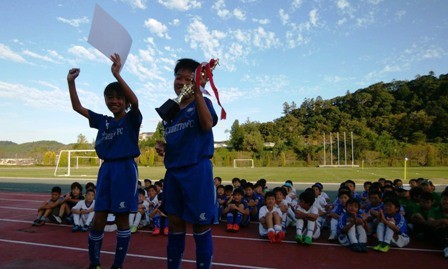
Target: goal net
<point>243,163</point>
<point>79,162</point>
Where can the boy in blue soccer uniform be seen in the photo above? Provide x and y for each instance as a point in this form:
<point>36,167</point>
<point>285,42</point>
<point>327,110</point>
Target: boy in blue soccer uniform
<point>117,145</point>
<point>188,149</point>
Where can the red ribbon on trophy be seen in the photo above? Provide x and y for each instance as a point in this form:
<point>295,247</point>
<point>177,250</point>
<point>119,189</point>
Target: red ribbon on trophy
<point>205,69</point>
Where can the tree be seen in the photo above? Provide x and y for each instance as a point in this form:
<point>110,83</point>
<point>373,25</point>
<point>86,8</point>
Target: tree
<point>236,136</point>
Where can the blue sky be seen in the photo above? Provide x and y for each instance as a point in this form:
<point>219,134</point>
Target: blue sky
<point>270,52</point>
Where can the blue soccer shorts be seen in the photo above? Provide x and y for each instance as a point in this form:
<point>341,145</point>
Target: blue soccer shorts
<point>189,193</point>
<point>116,189</point>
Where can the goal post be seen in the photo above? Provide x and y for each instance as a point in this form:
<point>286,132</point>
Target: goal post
<point>239,163</point>
<point>67,160</point>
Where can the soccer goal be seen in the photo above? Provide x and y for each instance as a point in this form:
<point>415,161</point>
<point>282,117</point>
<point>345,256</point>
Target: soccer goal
<point>243,163</point>
<point>80,162</point>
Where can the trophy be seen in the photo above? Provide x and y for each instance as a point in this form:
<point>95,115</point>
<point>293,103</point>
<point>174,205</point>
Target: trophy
<point>170,108</point>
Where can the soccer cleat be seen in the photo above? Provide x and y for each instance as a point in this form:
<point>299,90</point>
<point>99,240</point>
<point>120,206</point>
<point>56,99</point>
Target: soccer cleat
<point>36,222</point>
<point>229,227</point>
<point>133,229</point>
<point>445,253</point>
<point>55,219</point>
<point>299,239</point>
<point>363,247</point>
<point>156,231</point>
<point>355,247</point>
<point>165,231</point>
<point>280,236</point>
<point>271,236</point>
<point>384,248</point>
<point>377,247</point>
<point>85,228</point>
<point>308,240</point>
<point>236,227</point>
<point>76,228</point>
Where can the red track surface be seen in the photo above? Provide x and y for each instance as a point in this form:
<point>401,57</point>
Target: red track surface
<point>55,246</point>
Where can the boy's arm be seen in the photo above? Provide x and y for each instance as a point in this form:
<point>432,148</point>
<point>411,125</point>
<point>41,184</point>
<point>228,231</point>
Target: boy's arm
<point>128,93</point>
<point>76,104</point>
<point>205,117</point>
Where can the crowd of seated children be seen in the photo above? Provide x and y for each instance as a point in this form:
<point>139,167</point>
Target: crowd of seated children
<point>236,211</point>
<point>83,212</point>
<point>70,200</point>
<point>306,214</point>
<point>270,220</point>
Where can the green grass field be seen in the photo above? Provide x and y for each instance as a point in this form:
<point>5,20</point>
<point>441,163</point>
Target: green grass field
<point>439,175</point>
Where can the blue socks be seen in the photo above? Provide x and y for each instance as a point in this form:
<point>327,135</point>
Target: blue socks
<point>204,249</point>
<point>123,238</point>
<point>95,242</point>
<point>175,249</point>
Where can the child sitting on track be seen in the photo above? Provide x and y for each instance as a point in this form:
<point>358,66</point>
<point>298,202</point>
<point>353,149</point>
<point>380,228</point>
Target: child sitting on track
<point>270,224</point>
<point>236,211</point>
<point>83,212</point>
<point>137,219</point>
<point>306,214</point>
<point>352,228</point>
<point>70,200</point>
<point>343,195</point>
<point>49,207</point>
<point>392,228</point>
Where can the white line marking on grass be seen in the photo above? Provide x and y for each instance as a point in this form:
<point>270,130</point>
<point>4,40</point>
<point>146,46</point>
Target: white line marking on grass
<point>127,255</point>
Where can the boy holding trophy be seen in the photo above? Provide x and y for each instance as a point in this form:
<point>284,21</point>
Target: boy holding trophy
<point>188,186</point>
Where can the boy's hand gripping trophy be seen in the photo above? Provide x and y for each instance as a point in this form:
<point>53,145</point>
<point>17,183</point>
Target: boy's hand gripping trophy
<point>170,108</point>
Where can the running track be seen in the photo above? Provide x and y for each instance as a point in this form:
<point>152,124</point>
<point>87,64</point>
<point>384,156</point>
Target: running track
<point>55,246</point>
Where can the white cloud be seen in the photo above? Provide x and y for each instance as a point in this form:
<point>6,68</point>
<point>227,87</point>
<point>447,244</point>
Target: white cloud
<point>198,36</point>
<point>284,18</point>
<point>182,5</point>
<point>157,28</point>
<point>343,4</point>
<point>8,54</point>
<point>40,57</point>
<point>239,14</point>
<point>264,39</point>
<point>367,19</point>
<point>220,8</point>
<point>74,22</point>
<point>296,4</point>
<point>313,17</point>
<point>88,54</point>
<point>261,21</point>
<point>140,4</point>
<point>175,22</point>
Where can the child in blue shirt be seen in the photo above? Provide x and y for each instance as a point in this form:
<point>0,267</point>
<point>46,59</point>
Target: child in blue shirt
<point>343,196</point>
<point>352,228</point>
<point>392,228</point>
<point>117,145</point>
<point>237,211</point>
<point>251,201</point>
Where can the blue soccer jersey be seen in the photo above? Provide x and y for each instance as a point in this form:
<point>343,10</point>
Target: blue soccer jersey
<point>117,145</point>
<point>400,222</point>
<point>186,142</point>
<point>116,139</point>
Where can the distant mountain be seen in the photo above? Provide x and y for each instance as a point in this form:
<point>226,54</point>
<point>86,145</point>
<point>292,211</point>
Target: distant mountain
<point>10,149</point>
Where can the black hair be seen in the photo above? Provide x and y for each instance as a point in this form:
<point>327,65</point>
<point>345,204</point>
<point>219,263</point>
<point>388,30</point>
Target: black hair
<point>415,192</point>
<point>381,179</point>
<point>90,185</point>
<point>269,194</point>
<point>375,192</point>
<point>388,182</point>
<point>352,201</point>
<point>56,189</point>
<point>235,179</point>
<point>151,187</point>
<point>346,192</point>
<point>367,183</point>
<point>280,189</point>
<point>148,180</point>
<point>426,196</point>
<point>90,190</point>
<point>444,193</point>
<point>219,179</point>
<point>228,187</point>
<point>307,197</point>
<point>351,182</point>
<point>389,195</point>
<point>220,186</point>
<point>141,191</point>
<point>393,201</point>
<point>262,182</point>
<point>76,184</point>
<point>238,191</point>
<point>249,185</point>
<point>256,185</point>
<point>289,181</point>
<point>396,181</point>
<point>186,63</point>
<point>158,183</point>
